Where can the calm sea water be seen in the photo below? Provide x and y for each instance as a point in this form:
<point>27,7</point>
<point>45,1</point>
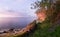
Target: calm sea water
<point>15,22</point>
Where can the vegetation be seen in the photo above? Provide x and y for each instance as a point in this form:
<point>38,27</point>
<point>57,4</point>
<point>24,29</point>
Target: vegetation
<point>52,12</point>
<point>48,28</point>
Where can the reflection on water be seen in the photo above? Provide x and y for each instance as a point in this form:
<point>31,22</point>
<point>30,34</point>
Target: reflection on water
<point>14,22</point>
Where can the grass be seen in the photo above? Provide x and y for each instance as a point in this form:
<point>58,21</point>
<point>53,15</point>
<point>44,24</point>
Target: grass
<point>43,31</point>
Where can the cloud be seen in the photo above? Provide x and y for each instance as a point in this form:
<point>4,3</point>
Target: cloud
<point>20,6</point>
<point>6,13</point>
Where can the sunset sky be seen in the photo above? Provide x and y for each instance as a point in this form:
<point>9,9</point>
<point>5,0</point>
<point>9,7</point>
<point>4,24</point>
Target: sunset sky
<point>16,8</point>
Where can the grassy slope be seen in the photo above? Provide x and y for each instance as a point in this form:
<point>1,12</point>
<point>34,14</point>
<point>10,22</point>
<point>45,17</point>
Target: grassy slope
<point>43,30</point>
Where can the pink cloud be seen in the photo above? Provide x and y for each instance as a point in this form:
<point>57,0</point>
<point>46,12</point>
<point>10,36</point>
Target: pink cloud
<point>4,13</point>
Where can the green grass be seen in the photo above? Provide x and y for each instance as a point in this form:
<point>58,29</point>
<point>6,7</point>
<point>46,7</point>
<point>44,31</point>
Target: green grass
<point>42,31</point>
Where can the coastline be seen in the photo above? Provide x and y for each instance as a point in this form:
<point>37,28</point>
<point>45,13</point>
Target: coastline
<point>20,32</point>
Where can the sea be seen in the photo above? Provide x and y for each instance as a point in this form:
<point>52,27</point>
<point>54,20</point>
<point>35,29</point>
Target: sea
<point>15,22</point>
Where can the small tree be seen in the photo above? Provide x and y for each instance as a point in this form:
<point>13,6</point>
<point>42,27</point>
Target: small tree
<point>50,6</point>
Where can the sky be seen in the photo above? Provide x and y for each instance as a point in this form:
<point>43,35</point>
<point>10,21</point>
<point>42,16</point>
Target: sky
<point>16,8</point>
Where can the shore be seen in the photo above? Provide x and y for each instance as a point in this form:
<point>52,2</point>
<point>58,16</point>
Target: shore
<point>18,32</point>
